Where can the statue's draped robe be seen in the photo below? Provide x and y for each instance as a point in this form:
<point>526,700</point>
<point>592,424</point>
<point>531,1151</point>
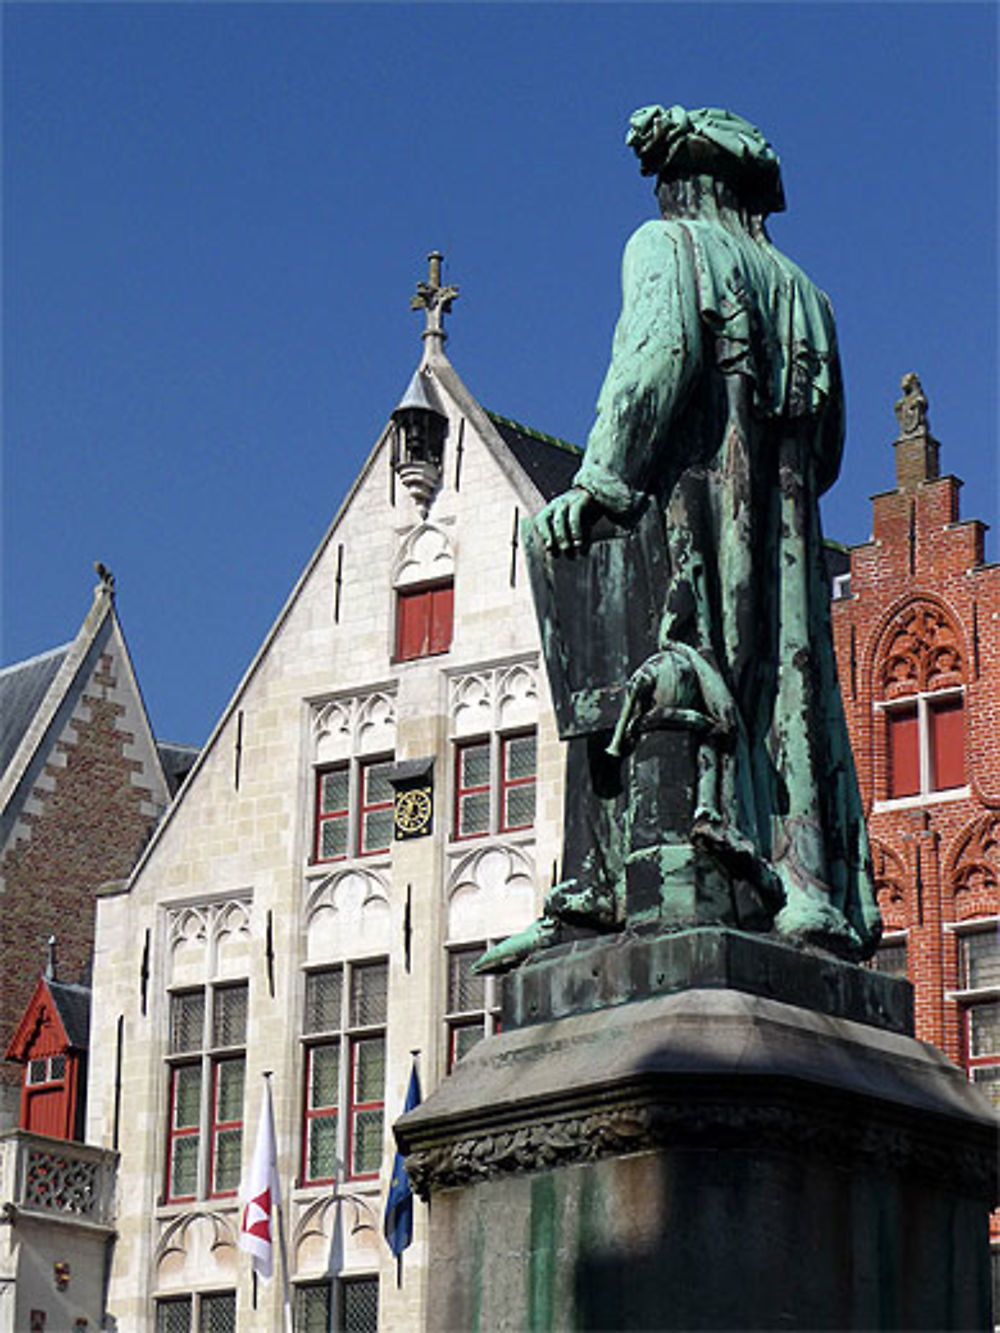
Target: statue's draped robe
<point>723,407</point>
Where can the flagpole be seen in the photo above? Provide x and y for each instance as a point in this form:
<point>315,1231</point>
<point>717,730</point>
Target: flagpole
<point>280,1213</point>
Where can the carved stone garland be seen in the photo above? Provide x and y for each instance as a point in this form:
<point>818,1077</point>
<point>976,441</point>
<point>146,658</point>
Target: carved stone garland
<point>641,1126</point>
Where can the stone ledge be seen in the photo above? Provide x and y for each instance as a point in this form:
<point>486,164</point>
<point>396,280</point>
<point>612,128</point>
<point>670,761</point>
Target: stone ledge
<point>603,971</point>
<point>701,1067</point>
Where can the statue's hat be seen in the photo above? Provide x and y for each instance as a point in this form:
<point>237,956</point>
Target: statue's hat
<point>674,142</point>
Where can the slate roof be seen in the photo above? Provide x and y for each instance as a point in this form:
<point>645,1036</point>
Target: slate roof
<point>23,686</point>
<point>177,761</point>
<point>550,463</point>
<point>73,1004</point>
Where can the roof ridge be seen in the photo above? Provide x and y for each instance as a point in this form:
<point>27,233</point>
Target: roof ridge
<point>532,434</point>
<point>38,657</point>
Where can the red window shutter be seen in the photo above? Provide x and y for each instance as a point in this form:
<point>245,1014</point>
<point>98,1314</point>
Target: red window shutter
<point>904,753</point>
<point>945,720</point>
<point>424,618</point>
<point>412,624</point>
<point>442,612</point>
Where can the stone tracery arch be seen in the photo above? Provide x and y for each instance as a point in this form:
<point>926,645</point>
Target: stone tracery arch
<point>425,556</point>
<point>891,885</point>
<point>920,648</point>
<point>974,868</point>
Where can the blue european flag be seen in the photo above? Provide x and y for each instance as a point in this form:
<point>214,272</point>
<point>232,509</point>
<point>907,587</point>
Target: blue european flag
<point>398,1224</point>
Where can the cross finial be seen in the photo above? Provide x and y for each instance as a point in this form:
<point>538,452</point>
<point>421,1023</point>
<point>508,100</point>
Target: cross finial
<point>434,299</point>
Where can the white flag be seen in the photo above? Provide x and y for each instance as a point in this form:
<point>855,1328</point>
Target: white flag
<point>261,1194</point>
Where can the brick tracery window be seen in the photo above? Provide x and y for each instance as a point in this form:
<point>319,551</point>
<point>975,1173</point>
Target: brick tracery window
<point>921,705</point>
<point>925,745</point>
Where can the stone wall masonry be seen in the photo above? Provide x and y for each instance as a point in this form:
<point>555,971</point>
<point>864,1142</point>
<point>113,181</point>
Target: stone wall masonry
<point>89,814</point>
<point>255,839</point>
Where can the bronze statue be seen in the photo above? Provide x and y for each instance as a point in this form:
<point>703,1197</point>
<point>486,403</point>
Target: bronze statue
<point>680,584</point>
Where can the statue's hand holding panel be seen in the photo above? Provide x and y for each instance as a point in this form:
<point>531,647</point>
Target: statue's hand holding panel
<point>561,522</point>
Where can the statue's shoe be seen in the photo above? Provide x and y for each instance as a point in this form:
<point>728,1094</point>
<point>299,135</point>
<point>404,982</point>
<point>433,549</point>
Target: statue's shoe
<point>515,949</point>
<point>822,929</point>
<point>583,906</point>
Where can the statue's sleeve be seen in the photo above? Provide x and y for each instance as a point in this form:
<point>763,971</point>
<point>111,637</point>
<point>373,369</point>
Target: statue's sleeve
<point>656,354</point>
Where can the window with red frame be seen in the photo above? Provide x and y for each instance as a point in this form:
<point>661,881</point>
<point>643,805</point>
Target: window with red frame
<point>424,620</point>
<point>338,833</point>
<point>473,1002</point>
<point>354,1299</point>
<point>518,767</point>
<point>979,967</point>
<point>333,786</point>
<point>473,764</point>
<point>495,781</point>
<point>375,806</point>
<point>925,742</point>
<point>205,1134</point>
<point>344,1035</point>
<point>206,1312</point>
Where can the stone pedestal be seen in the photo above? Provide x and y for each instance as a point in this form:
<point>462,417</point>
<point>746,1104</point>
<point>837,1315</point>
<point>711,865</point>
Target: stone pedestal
<point>705,1130</point>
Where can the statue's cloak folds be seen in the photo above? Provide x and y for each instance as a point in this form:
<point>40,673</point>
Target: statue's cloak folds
<point>719,425</point>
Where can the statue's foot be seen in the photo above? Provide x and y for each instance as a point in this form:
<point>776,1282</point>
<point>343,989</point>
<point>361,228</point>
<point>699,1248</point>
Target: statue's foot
<point>587,906</point>
<point>512,951</point>
<point>823,929</point>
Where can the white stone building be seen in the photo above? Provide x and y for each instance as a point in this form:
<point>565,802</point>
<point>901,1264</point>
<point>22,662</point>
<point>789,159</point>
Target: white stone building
<point>380,798</point>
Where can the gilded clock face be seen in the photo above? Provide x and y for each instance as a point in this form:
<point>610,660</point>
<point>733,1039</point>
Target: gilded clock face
<point>413,811</point>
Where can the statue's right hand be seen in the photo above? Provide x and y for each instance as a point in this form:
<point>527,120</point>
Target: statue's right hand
<point>560,523</point>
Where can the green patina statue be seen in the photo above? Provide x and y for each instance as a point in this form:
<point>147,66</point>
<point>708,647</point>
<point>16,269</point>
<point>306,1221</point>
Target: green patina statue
<point>680,584</point>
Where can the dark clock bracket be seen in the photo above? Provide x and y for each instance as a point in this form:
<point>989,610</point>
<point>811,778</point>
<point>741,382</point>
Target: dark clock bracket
<point>413,806</point>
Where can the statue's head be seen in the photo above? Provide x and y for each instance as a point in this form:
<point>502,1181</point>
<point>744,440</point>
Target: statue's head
<point>676,144</point>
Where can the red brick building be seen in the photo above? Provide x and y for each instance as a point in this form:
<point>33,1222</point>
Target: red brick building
<point>916,626</point>
<point>82,785</point>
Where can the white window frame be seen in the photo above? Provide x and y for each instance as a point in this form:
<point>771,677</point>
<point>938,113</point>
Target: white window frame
<point>968,998</point>
<point>927,794</point>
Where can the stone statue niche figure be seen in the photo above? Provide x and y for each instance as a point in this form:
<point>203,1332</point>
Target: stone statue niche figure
<point>680,585</point>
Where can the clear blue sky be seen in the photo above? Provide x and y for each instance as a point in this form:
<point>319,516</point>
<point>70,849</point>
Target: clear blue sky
<point>215,215</point>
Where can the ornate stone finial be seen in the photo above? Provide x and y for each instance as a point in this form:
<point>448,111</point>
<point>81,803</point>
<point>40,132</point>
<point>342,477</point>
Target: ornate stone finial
<point>434,299</point>
<point>50,965</point>
<point>911,410</point>
<point>107,583</point>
